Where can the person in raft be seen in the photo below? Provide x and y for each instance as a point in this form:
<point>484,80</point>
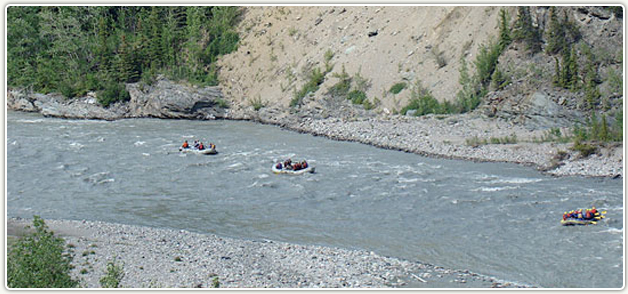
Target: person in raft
<point>185,145</point>
<point>200,146</point>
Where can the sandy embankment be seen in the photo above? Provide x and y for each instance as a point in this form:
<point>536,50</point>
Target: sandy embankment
<point>165,258</point>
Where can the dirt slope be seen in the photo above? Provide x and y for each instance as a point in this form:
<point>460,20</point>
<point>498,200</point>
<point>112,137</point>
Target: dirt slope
<point>280,45</point>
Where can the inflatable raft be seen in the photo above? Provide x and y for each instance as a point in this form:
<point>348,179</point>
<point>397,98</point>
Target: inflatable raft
<point>309,169</point>
<point>206,151</point>
<point>582,217</point>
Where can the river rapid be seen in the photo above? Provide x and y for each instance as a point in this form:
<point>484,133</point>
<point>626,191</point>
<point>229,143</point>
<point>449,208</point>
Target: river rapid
<point>496,219</point>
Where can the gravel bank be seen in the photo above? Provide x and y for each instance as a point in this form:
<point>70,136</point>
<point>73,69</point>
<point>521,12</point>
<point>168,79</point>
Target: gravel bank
<point>163,258</point>
<point>450,137</point>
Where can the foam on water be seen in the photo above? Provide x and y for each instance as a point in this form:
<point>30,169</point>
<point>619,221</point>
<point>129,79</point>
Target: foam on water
<point>513,181</point>
<point>494,189</point>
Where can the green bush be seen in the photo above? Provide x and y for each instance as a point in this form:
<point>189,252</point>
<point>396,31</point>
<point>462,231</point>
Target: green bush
<point>398,87</point>
<point>222,103</point>
<point>257,103</point>
<point>66,89</point>
<point>113,276</point>
<point>356,96</point>
<point>39,260</point>
<point>585,149</point>
<point>113,92</point>
<point>315,80</point>
<point>423,102</point>
<point>423,105</point>
<point>342,87</point>
<point>215,283</point>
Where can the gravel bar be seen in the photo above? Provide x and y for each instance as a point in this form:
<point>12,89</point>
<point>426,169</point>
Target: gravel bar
<point>166,258</point>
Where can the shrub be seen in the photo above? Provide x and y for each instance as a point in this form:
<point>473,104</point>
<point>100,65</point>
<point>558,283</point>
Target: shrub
<point>615,81</point>
<point>113,92</point>
<point>257,103</point>
<point>356,96</point>
<point>423,105</point>
<point>499,80</point>
<point>585,149</point>
<point>398,87</point>
<point>216,283</point>
<point>39,260</point>
<point>368,105</point>
<point>341,88</point>
<point>292,31</point>
<point>315,80</point>
<point>423,102</point>
<point>486,61</point>
<point>222,103</point>
<point>66,89</point>
<point>113,276</point>
<point>361,83</point>
<point>328,56</point>
<point>475,141</point>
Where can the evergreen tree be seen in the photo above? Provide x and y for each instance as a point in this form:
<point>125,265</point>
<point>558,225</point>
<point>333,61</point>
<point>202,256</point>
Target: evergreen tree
<point>468,97</point>
<point>555,34</point>
<point>558,77</point>
<point>154,31</point>
<point>590,81</point>
<point>524,31</point>
<point>486,61</point>
<point>74,49</point>
<point>505,37</point>
<point>127,65</point>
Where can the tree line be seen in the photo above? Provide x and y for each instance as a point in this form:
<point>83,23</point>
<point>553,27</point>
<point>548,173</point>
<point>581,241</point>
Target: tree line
<point>77,49</point>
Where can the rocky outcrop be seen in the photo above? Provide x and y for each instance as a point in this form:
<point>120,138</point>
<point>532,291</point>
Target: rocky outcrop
<point>55,105</point>
<point>539,110</point>
<point>165,99</point>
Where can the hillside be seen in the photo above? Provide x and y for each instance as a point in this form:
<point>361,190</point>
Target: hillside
<point>386,45</point>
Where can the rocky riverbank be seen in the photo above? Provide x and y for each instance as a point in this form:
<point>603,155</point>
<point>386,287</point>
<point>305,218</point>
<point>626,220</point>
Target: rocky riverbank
<point>163,258</point>
<point>463,136</point>
<point>472,136</point>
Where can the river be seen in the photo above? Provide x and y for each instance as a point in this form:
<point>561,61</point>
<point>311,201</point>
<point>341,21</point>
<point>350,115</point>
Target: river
<point>495,219</point>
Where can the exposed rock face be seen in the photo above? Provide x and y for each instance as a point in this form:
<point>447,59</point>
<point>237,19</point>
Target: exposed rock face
<point>538,110</point>
<point>165,99</point>
<point>55,105</point>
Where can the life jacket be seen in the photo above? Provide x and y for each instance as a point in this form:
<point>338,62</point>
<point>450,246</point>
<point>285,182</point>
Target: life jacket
<point>185,145</point>
<point>201,147</point>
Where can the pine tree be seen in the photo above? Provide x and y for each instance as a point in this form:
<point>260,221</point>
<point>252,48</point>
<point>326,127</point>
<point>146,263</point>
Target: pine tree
<point>127,64</point>
<point>505,37</point>
<point>555,34</point>
<point>573,69</point>
<point>524,31</point>
<point>557,80</point>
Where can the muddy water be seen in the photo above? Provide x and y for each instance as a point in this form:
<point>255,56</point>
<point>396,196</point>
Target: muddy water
<point>496,219</point>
